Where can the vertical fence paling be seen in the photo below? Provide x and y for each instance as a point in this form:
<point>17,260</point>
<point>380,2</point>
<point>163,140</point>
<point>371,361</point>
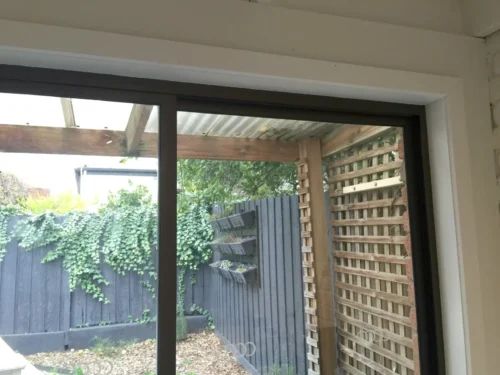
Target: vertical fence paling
<point>375,306</point>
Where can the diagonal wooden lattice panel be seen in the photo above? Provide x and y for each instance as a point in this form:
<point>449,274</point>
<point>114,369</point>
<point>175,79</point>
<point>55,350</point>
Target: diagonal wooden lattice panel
<point>374,295</point>
<point>312,338</point>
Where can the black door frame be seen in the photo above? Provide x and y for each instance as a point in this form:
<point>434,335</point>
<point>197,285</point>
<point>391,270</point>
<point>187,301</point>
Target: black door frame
<point>176,96</point>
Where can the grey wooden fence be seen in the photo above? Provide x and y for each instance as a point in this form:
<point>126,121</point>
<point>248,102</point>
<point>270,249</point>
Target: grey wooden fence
<point>35,297</point>
<point>264,324</point>
<point>267,319</point>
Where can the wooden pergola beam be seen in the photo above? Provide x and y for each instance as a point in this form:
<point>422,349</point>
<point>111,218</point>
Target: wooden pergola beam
<point>136,125</point>
<point>225,148</point>
<point>72,141</point>
<point>349,135</point>
<point>68,112</point>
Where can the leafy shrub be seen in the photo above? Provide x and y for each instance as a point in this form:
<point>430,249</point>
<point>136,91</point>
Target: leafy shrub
<point>181,328</point>
<point>77,371</point>
<point>285,369</point>
<point>59,204</point>
<point>109,348</point>
<point>12,189</point>
<point>133,197</point>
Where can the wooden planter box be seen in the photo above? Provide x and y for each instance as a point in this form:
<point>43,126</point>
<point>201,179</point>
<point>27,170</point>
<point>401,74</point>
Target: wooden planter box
<point>215,224</point>
<point>226,273</point>
<point>247,277</point>
<point>245,247</point>
<point>214,246</point>
<point>243,219</point>
<point>224,248</point>
<point>215,269</point>
<point>224,223</point>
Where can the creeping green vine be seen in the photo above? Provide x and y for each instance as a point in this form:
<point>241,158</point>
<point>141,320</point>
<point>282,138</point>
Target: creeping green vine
<point>195,309</point>
<point>123,235</point>
<point>5,236</point>
<point>181,290</point>
<point>193,235</point>
<point>134,230</point>
<point>79,247</point>
<point>37,231</point>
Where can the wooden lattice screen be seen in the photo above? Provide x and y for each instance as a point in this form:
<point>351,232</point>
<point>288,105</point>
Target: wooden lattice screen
<point>312,338</point>
<point>374,292</point>
<point>318,310</point>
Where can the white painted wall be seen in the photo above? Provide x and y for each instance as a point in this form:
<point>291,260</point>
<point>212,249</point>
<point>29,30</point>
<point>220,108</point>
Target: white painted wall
<point>438,15</point>
<point>289,50</point>
<point>481,17</point>
<point>155,18</point>
<point>493,58</point>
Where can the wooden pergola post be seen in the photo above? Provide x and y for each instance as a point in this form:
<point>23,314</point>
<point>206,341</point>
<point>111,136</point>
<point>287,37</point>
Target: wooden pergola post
<point>318,294</point>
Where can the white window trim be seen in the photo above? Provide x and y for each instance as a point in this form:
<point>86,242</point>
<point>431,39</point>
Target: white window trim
<point>455,214</point>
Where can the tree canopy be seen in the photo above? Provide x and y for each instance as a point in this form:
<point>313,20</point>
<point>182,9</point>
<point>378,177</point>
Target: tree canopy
<point>224,182</point>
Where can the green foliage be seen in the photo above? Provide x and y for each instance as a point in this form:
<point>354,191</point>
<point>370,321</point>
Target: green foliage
<point>181,290</point>
<point>5,236</point>
<point>276,369</point>
<point>37,231</point>
<point>128,237</point>
<point>77,371</point>
<point>213,181</point>
<point>193,235</point>
<point>137,196</point>
<point>59,204</point>
<point>12,189</point>
<point>78,244</point>
<point>122,235</point>
<point>145,318</point>
<point>181,328</point>
<point>108,348</point>
<point>200,311</point>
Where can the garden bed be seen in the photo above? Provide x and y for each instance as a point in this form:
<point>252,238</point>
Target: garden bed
<point>199,354</point>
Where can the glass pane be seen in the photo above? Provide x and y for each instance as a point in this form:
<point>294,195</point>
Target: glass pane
<point>294,252</point>
<point>78,235</point>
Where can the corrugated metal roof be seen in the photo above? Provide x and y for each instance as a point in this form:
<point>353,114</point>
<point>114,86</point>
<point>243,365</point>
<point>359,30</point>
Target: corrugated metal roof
<point>205,124</point>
